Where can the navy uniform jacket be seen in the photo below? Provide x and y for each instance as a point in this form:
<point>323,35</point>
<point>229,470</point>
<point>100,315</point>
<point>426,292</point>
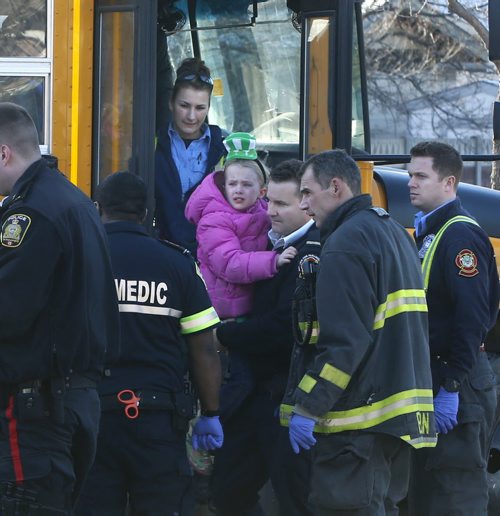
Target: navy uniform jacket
<point>58,308</point>
<point>265,337</point>
<point>170,204</point>
<point>463,293</point>
<point>161,298</point>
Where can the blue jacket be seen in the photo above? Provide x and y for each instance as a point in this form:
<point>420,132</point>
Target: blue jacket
<point>170,205</point>
<point>463,293</point>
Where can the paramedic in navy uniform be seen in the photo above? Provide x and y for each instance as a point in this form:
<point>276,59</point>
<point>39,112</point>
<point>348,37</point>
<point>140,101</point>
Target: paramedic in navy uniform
<point>167,321</point>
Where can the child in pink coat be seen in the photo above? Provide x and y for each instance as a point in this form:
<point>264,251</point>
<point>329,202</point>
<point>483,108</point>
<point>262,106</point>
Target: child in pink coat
<point>232,226</point>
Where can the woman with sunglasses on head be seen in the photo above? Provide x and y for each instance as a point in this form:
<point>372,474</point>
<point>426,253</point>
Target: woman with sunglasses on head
<point>188,149</point>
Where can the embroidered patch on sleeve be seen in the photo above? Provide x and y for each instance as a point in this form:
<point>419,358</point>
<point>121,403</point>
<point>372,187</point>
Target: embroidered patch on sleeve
<point>14,230</point>
<point>466,261</point>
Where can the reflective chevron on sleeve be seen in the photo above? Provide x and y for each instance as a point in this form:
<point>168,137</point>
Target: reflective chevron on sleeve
<point>200,321</point>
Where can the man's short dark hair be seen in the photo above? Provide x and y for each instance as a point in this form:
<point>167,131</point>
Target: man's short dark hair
<point>446,161</point>
<point>122,196</point>
<point>288,170</point>
<point>334,163</point>
<point>17,129</point>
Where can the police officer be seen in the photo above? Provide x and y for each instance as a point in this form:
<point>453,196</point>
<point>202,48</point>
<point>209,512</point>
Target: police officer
<point>363,386</point>
<point>167,322</point>
<point>256,448</point>
<point>58,323</point>
<point>461,279</point>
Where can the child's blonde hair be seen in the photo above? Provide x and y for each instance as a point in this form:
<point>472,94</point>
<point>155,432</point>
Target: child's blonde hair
<point>255,165</point>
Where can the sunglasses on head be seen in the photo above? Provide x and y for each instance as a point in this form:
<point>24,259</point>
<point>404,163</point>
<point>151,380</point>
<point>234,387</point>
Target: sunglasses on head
<point>194,76</point>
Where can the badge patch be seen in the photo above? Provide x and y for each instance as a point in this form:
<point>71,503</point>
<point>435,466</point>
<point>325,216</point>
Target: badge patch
<point>14,230</point>
<point>466,261</point>
<point>308,265</point>
<point>425,245</point>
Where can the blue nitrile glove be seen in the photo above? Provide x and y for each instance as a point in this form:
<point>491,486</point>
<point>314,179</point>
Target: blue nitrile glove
<point>300,432</point>
<point>445,410</point>
<point>207,433</point>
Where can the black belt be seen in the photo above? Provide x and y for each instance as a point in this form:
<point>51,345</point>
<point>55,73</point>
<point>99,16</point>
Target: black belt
<point>149,400</point>
<point>79,381</point>
<point>73,381</point>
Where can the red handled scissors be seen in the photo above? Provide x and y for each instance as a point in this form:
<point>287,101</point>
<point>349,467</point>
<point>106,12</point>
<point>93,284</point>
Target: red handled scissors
<point>131,402</point>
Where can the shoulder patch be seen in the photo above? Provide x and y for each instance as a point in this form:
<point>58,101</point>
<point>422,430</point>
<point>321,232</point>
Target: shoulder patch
<point>379,211</point>
<point>466,262</point>
<point>14,230</point>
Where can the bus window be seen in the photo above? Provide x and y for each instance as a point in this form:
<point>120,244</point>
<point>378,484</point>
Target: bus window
<point>115,110</point>
<point>26,61</point>
<point>28,92</point>
<point>358,125</point>
<point>255,68</point>
<point>23,29</point>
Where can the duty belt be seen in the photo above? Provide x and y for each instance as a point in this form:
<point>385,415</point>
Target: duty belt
<point>147,400</point>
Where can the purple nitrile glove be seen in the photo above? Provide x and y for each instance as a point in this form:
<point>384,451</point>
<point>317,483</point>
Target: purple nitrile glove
<point>445,410</point>
<point>300,432</point>
<point>207,433</point>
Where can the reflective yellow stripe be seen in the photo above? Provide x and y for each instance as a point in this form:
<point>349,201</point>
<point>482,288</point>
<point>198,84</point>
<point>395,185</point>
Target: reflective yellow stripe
<point>417,442</point>
<point>429,255</point>
<point>410,300</point>
<point>314,332</point>
<point>420,442</point>
<point>406,402</point>
<point>307,383</point>
<point>336,376</point>
<point>199,321</point>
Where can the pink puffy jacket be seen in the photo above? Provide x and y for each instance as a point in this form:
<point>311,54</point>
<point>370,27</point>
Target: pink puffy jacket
<point>231,247</point>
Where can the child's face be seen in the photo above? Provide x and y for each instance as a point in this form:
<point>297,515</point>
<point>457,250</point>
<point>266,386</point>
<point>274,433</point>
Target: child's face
<point>242,186</point>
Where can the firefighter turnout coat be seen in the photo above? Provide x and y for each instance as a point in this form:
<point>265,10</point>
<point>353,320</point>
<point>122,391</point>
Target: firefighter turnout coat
<point>369,368</point>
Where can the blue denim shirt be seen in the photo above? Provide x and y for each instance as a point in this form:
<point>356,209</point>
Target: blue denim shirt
<point>191,161</point>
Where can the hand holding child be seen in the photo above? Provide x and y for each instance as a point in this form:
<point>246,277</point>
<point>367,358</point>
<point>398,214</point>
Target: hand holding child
<point>287,256</point>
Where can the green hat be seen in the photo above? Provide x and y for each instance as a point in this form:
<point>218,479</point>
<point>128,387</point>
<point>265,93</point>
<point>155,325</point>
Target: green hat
<point>240,146</point>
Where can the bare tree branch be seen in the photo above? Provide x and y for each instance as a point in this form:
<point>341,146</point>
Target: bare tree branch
<point>466,14</point>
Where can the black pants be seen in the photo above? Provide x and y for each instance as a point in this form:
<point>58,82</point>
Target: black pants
<point>359,474</point>
<point>46,463</point>
<point>451,478</point>
<point>143,460</point>
<point>255,449</point>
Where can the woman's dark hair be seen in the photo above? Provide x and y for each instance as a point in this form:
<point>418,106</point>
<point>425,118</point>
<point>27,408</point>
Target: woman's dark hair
<point>195,73</point>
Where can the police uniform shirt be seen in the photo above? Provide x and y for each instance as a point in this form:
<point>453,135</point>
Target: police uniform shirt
<point>161,298</point>
<point>58,306</point>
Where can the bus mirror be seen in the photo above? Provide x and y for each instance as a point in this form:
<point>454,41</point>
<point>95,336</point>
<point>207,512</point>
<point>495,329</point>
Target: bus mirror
<point>494,29</point>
